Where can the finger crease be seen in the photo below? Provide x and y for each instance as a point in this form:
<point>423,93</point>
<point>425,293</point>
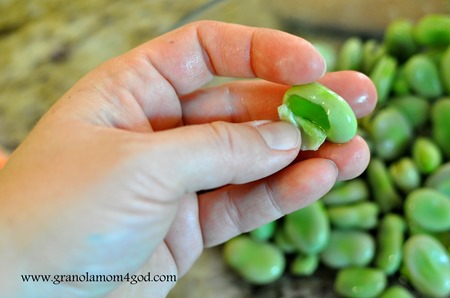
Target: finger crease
<point>234,215</point>
<point>272,199</point>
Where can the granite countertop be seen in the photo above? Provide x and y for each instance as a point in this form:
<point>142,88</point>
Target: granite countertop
<point>48,45</point>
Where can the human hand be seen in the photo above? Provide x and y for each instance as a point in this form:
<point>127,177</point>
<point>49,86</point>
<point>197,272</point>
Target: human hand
<point>135,169</point>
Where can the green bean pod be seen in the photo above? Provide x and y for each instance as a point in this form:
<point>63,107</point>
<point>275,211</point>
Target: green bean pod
<point>308,228</point>
<point>348,248</point>
<point>360,282</point>
<point>433,30</point>
<point>264,232</point>
<point>399,39</point>
<point>426,264</point>
<point>304,265</point>
<point>258,262</point>
<point>440,123</point>
<point>383,75</point>
<point>350,56</point>
<point>429,209</point>
<point>390,239</point>
<point>319,113</point>
<point>396,292</point>
<point>382,186</point>
<point>391,133</point>
<point>405,174</point>
<point>363,215</point>
<point>440,180</point>
<point>349,192</point>
<point>426,155</point>
<point>445,70</point>
<point>423,76</point>
<point>415,109</point>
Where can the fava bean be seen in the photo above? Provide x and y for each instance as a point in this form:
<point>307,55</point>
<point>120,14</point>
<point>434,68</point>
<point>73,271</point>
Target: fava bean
<point>390,239</point>
<point>414,108</point>
<point>400,86</point>
<point>304,265</point>
<point>362,215</point>
<point>405,174</point>
<point>258,262</point>
<point>383,75</point>
<point>423,76</point>
<point>319,113</point>
<point>328,53</point>
<point>429,209</point>
<point>433,30</point>
<point>349,192</point>
<point>350,56</point>
<point>308,228</point>
<point>396,292</point>
<point>391,133</point>
<point>382,186</point>
<point>445,70</point>
<point>372,52</point>
<point>399,39</point>
<point>440,123</point>
<point>348,248</point>
<point>283,242</point>
<point>264,232</point>
<point>426,154</point>
<point>426,264</point>
<point>360,282</point>
<point>440,180</point>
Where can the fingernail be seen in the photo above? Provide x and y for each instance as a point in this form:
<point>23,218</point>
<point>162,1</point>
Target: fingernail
<point>280,135</point>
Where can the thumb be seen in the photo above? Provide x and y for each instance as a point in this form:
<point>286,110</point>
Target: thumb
<point>198,157</point>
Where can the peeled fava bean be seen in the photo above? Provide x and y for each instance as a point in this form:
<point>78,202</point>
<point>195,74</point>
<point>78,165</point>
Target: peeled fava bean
<point>426,154</point>
<point>319,113</point>
<point>360,282</point>
<point>396,292</point>
<point>433,30</point>
<point>348,248</point>
<point>426,264</point>
<point>405,174</point>
<point>399,39</point>
<point>348,192</point>
<point>363,215</point>
<point>440,123</point>
<point>423,76</point>
<point>304,265</point>
<point>257,262</point>
<point>383,75</point>
<point>429,209</point>
<point>390,239</point>
<point>264,232</point>
<point>440,180</point>
<point>351,55</point>
<point>308,228</point>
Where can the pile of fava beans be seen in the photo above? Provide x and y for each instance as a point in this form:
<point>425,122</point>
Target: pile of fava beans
<point>387,232</point>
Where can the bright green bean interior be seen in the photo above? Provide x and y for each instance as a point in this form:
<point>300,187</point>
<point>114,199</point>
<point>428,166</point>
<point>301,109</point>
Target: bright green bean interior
<point>308,110</point>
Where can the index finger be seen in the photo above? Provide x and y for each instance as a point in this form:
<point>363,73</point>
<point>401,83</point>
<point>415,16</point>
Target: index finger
<point>190,56</point>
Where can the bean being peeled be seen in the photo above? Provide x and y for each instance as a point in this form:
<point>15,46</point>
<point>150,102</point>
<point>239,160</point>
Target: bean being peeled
<point>394,220</point>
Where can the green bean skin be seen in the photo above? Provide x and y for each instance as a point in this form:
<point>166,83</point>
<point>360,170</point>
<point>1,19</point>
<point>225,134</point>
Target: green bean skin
<point>305,265</point>
<point>382,186</point>
<point>391,133</point>
<point>433,30</point>
<point>399,39</point>
<point>351,55</point>
<point>308,228</point>
<point>264,232</point>
<point>429,209</point>
<point>415,109</point>
<point>440,123</point>
<point>426,264</point>
<point>257,262</point>
<point>383,75</point>
<point>319,113</point>
<point>405,174</point>
<point>396,292</point>
<point>423,76</point>
<point>426,155</point>
<point>445,70</point>
<point>348,248</point>
<point>390,239</point>
<point>372,52</point>
<point>349,192</point>
<point>362,215</point>
<point>440,180</point>
<point>360,282</point>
